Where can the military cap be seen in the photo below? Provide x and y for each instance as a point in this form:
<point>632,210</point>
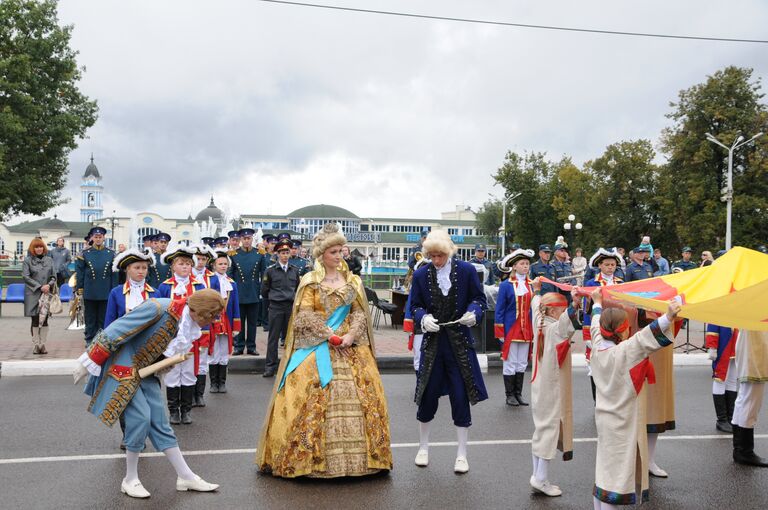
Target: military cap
<point>97,230</point>
<point>233,234</point>
<point>545,247</point>
<point>479,247</point>
<point>246,232</point>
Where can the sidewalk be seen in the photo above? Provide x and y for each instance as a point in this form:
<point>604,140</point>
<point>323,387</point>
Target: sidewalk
<point>65,346</point>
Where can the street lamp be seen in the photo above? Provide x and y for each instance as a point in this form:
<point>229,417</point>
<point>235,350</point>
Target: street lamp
<point>729,183</point>
<point>503,229</point>
<point>113,222</point>
<point>570,227</point>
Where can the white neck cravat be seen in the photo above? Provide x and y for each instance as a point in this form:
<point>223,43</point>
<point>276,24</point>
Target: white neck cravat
<point>520,287</point>
<point>135,296</point>
<point>444,277</point>
<point>608,279</point>
<point>224,286</point>
<point>181,285</point>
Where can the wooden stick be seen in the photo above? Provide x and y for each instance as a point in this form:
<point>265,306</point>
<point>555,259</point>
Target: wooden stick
<point>160,365</point>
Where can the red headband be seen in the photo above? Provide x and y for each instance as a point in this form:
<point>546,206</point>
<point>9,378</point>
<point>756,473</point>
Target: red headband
<point>559,302</point>
<point>610,334</point>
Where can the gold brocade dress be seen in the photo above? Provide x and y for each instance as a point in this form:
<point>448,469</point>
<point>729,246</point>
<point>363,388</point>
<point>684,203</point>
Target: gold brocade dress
<point>339,430</point>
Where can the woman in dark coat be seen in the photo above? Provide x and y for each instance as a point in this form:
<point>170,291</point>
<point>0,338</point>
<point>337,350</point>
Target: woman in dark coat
<point>39,278</point>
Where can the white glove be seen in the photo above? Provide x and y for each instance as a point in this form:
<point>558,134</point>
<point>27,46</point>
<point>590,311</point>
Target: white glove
<point>589,344</point>
<point>79,372</point>
<point>712,354</point>
<point>468,319</point>
<point>429,324</point>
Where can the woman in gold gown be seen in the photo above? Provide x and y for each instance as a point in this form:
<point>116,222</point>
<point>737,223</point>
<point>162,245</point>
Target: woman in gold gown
<point>327,416</point>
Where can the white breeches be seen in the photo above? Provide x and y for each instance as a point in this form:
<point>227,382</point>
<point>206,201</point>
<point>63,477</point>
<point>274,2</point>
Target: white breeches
<point>748,404</point>
<point>202,369</point>
<point>181,374</point>
<point>220,354</point>
<point>417,351</point>
<point>517,360</point>
<point>731,383</point>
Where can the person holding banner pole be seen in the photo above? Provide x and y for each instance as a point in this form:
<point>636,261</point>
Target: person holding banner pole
<point>115,361</point>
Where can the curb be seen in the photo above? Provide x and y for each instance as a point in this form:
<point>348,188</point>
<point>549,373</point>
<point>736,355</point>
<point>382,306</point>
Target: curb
<point>391,364</point>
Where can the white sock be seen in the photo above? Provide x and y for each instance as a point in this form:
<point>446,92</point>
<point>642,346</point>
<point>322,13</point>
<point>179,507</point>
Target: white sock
<point>179,464</point>
<point>535,464</point>
<point>131,466</point>
<point>597,503</point>
<point>542,471</point>
<point>652,437</point>
<point>463,435</point>
<point>424,436</point>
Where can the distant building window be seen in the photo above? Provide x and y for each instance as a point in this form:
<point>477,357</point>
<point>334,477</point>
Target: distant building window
<point>185,233</point>
<point>91,199</point>
<point>76,248</point>
<point>2,245</point>
<point>467,231</point>
<point>453,231</point>
<point>19,248</point>
<point>147,220</point>
<point>144,231</point>
<point>381,228</point>
<point>409,229</point>
<point>466,253</point>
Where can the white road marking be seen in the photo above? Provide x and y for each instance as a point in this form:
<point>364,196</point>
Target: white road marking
<point>236,451</point>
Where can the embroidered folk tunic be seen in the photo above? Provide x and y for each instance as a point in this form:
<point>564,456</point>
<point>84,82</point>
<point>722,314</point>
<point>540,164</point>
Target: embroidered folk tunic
<point>341,429</point>
<point>551,389</point>
<point>619,371</point>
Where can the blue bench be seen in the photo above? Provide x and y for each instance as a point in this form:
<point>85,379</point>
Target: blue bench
<point>15,293</point>
<point>66,293</point>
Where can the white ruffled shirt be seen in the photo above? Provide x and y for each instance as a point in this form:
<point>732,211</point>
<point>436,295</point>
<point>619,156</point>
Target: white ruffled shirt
<point>135,295</point>
<point>225,287</point>
<point>181,285</point>
<point>608,279</point>
<point>444,277</point>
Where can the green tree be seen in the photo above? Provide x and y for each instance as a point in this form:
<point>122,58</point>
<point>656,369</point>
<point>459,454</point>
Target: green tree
<point>488,219</point>
<point>728,104</point>
<point>42,111</point>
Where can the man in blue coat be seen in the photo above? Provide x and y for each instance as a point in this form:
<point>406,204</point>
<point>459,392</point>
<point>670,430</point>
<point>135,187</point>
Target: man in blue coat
<point>95,280</point>
<point>248,266</point>
<point>160,271</point>
<point>543,267</point>
<point>156,328</point>
<point>447,299</point>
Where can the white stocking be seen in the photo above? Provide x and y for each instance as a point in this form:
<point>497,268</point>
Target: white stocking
<point>424,436</point>
<point>131,466</point>
<point>652,437</point>
<point>463,435</point>
<point>542,470</point>
<point>535,464</point>
<point>179,464</point>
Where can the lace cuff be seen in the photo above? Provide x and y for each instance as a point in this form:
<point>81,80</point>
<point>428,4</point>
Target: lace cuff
<point>309,329</point>
<point>89,364</point>
<point>358,327</point>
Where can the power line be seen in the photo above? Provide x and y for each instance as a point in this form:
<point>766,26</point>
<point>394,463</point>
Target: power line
<point>518,25</point>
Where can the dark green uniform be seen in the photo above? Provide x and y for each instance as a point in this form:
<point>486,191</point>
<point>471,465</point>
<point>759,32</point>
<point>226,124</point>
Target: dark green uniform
<point>247,270</point>
<point>95,279</point>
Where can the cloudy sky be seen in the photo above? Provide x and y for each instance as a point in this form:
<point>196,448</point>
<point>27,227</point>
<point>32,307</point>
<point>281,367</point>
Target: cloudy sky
<point>272,107</point>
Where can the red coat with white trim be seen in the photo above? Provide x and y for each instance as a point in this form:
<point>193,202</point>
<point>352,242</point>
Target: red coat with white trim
<point>513,320</point>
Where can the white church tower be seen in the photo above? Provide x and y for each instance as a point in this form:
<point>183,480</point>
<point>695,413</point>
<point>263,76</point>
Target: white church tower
<point>91,190</point>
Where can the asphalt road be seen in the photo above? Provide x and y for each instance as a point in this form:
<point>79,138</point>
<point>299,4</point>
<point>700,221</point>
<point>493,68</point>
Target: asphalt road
<point>42,418</point>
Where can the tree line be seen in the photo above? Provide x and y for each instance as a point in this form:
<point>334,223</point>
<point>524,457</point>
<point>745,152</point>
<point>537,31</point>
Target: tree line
<point>625,193</point>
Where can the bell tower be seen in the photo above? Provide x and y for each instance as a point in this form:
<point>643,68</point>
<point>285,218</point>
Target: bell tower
<point>91,191</point>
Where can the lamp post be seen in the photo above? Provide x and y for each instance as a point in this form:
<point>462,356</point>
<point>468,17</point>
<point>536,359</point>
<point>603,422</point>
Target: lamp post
<point>729,182</point>
<point>113,222</point>
<point>503,229</point>
<point>569,227</point>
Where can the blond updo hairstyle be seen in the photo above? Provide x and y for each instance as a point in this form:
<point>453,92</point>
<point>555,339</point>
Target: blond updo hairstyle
<point>207,304</point>
<point>328,236</point>
<point>438,241</point>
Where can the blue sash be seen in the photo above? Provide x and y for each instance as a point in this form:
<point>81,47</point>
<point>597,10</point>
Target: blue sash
<point>322,354</point>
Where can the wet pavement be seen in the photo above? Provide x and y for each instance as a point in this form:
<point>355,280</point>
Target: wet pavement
<point>44,421</point>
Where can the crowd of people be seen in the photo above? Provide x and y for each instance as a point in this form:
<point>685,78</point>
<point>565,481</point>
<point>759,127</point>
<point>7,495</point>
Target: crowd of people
<point>177,313</point>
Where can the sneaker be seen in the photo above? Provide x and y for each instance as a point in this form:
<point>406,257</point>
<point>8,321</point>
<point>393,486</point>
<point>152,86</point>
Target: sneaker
<point>461,466</point>
<point>422,458</point>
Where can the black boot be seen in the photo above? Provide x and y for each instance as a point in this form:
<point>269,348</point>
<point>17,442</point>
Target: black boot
<point>721,411</point>
<point>519,388</point>
<point>222,378</point>
<point>174,401</point>
<point>730,403</point>
<point>187,399</point>
<point>200,391</point>
<point>744,448</point>
<point>213,373</point>
<point>509,389</point>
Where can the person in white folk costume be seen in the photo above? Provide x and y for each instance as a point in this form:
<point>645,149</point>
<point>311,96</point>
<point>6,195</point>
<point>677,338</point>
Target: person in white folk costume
<point>551,390</point>
<point>620,367</point>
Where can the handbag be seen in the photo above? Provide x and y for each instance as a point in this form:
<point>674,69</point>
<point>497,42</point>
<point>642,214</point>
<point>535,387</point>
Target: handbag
<point>55,306</point>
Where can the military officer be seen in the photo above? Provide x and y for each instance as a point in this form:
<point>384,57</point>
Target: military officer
<point>233,243</point>
<point>418,247</point>
<point>544,268</point>
<point>479,258</point>
<point>639,268</point>
<point>208,241</point>
<point>685,263</point>
<point>248,267</point>
<point>220,243</point>
<point>147,240</point>
<point>95,280</point>
<point>160,271</point>
<point>562,265</point>
<point>278,288</point>
<point>295,260</point>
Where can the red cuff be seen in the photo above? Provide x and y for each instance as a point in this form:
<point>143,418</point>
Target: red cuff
<point>408,325</point>
<point>98,354</point>
<point>586,333</point>
<point>498,331</point>
<point>711,340</point>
